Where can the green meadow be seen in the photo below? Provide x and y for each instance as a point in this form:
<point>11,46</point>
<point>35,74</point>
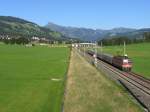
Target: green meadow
<point>32,78</point>
<point>139,53</point>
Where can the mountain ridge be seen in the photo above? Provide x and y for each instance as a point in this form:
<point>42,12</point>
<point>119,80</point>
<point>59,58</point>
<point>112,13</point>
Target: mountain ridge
<point>15,26</point>
<point>89,34</point>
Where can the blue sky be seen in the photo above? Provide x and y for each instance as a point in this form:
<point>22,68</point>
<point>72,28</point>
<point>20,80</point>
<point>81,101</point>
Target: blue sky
<point>102,14</point>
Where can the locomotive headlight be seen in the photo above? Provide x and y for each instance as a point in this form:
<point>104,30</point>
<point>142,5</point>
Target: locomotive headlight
<point>125,61</point>
<point>94,55</point>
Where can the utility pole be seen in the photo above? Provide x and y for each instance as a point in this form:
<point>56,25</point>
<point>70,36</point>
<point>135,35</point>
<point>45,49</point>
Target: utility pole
<point>95,60</point>
<point>84,49</point>
<point>101,48</point>
<point>78,46</point>
<point>124,48</point>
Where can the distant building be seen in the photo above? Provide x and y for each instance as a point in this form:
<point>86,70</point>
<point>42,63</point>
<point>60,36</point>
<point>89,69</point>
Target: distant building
<point>84,45</point>
<point>5,37</point>
<point>35,38</point>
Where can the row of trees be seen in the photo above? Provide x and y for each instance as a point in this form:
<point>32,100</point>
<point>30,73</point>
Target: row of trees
<point>22,40</point>
<point>19,41</point>
<point>121,39</point>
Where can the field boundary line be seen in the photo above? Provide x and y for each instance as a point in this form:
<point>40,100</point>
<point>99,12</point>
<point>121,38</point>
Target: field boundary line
<point>65,81</point>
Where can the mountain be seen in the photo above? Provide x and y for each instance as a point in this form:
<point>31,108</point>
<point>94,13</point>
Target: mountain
<point>132,33</point>
<point>14,26</point>
<point>87,34</point>
<point>81,33</point>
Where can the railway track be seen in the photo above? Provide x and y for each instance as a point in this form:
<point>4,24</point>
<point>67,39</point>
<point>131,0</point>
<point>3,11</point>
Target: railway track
<point>139,80</point>
<point>137,85</point>
<point>145,81</point>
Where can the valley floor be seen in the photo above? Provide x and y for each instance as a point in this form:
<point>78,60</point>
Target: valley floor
<point>32,78</point>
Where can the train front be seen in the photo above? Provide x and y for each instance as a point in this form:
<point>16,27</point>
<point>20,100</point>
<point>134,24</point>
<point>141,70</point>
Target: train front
<point>127,64</point>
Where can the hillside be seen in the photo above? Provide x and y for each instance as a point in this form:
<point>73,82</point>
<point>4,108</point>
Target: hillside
<point>87,34</point>
<point>13,27</point>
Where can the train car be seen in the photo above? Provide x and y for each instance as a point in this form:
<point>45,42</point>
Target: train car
<point>90,52</point>
<point>105,57</point>
<point>122,62</point>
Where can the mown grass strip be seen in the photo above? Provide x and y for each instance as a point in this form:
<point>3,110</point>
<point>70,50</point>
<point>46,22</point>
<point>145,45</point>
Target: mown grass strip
<point>25,78</point>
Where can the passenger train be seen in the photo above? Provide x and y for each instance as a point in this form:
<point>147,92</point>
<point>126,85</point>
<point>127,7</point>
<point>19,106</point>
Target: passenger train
<point>122,62</point>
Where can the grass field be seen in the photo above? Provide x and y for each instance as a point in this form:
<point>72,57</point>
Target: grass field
<point>139,53</point>
<point>26,75</point>
<point>88,90</point>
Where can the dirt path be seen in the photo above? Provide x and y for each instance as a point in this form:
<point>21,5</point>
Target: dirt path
<point>89,91</point>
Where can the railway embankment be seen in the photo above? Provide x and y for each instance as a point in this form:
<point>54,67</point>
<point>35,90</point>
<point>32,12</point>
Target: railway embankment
<point>88,90</point>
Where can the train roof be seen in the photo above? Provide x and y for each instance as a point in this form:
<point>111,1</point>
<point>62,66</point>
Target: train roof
<point>109,55</point>
<point>124,57</point>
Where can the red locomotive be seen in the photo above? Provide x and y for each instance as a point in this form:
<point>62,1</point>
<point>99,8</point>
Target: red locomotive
<point>121,62</point>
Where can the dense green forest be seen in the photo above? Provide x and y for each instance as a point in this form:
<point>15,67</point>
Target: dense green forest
<point>117,40</point>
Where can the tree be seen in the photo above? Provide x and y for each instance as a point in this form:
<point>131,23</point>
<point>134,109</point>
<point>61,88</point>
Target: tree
<point>147,36</point>
<point>115,41</point>
<point>12,41</point>
<point>22,40</point>
<point>6,41</point>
